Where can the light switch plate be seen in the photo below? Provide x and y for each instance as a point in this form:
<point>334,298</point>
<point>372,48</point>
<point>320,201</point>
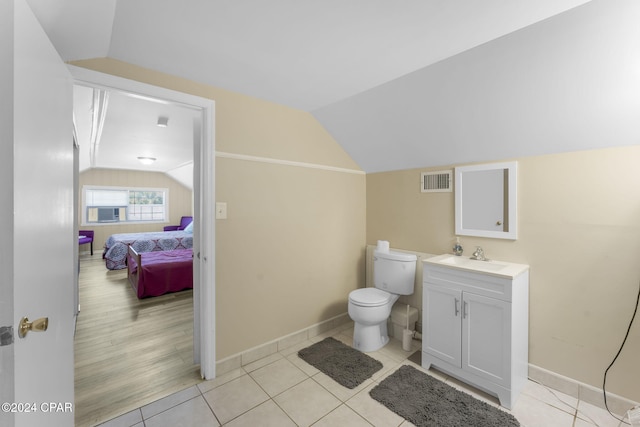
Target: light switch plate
<point>221,210</point>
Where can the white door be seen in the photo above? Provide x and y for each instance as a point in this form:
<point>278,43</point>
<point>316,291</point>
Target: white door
<point>484,195</point>
<point>441,329</point>
<point>486,338</point>
<point>204,182</point>
<point>36,255</point>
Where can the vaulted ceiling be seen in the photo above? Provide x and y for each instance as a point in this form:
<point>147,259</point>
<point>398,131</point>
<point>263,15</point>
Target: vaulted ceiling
<point>381,76</point>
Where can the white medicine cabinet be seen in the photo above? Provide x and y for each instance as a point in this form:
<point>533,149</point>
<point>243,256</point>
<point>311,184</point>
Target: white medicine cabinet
<point>486,200</point>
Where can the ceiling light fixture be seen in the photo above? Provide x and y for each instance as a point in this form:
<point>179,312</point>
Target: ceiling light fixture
<point>163,122</point>
<point>146,160</point>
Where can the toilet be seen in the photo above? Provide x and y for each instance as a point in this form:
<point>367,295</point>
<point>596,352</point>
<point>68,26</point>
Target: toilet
<point>393,275</point>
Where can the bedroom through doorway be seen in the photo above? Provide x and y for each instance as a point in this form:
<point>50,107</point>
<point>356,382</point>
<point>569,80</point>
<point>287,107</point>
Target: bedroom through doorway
<point>165,343</point>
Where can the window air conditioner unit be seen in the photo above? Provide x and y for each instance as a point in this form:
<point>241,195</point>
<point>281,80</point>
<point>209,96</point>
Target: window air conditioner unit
<point>108,214</point>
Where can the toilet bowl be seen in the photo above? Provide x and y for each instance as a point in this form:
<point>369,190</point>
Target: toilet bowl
<point>369,308</point>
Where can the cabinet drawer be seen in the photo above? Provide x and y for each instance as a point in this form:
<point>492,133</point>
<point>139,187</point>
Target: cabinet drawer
<point>477,283</point>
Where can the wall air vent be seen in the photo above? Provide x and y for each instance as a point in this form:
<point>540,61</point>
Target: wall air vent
<point>437,182</point>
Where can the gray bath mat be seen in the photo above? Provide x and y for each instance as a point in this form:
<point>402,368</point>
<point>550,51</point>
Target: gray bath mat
<point>344,364</point>
<point>427,401</point>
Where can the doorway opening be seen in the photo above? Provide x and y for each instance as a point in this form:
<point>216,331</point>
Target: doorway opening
<point>202,177</point>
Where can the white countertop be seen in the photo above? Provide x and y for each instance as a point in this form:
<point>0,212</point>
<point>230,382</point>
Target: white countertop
<point>491,267</point>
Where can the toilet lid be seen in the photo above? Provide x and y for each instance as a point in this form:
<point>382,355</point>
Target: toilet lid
<point>369,297</point>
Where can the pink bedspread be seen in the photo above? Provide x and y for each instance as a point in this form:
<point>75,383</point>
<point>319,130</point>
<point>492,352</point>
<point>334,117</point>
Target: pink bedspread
<point>163,272</point>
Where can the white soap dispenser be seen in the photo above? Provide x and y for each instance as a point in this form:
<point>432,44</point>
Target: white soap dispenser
<point>457,248</point>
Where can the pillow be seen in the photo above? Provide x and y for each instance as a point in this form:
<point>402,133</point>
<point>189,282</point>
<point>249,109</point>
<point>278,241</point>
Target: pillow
<point>189,228</point>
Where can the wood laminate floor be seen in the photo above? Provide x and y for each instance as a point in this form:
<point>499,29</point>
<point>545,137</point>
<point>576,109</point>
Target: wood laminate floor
<point>128,352</point>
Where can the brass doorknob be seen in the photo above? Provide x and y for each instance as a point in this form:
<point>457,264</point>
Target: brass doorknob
<point>38,325</point>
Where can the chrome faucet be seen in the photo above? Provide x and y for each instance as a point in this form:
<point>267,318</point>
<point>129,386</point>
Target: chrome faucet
<point>478,254</point>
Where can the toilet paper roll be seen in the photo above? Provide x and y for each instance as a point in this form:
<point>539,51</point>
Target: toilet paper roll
<point>383,246</point>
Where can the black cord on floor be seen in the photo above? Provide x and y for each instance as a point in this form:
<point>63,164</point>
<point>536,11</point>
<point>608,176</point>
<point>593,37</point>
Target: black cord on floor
<point>604,382</point>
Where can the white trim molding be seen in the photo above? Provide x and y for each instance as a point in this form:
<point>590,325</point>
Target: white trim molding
<point>293,340</point>
<point>249,158</point>
<point>617,404</point>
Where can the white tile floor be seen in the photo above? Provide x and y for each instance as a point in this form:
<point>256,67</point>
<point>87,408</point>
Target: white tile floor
<point>283,390</point>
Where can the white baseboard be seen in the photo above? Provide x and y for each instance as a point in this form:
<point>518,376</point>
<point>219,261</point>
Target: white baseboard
<point>251,355</point>
<point>585,392</point>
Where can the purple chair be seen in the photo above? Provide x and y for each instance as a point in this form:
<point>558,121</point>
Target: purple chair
<point>184,221</point>
<point>84,237</point>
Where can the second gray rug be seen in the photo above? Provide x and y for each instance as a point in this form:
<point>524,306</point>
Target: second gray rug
<point>347,366</point>
<point>427,401</point>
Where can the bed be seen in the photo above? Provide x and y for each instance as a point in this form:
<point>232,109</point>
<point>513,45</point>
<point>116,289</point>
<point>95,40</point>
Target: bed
<point>115,248</point>
<point>156,273</point>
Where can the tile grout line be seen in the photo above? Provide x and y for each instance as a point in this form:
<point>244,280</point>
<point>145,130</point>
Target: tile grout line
<point>209,406</point>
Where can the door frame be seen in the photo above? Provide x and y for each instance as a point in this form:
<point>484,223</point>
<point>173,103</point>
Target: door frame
<point>204,231</point>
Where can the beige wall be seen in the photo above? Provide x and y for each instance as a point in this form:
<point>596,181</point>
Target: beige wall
<point>293,244</point>
<point>579,230</point>
<point>180,200</point>
<point>290,252</point>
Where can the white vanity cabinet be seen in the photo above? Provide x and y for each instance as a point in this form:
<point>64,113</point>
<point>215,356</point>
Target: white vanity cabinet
<point>476,322</point>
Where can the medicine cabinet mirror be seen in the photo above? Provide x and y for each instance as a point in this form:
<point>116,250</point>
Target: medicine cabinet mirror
<point>485,200</point>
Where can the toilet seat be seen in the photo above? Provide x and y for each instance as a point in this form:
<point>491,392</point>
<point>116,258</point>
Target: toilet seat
<point>369,297</point>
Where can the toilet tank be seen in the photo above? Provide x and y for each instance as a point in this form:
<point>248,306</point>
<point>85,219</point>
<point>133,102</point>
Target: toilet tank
<point>394,272</point>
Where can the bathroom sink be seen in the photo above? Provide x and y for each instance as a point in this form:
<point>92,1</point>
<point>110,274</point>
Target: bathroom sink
<point>473,263</point>
<point>499,268</point>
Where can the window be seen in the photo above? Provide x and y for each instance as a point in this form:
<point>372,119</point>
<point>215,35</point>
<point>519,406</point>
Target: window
<point>116,204</point>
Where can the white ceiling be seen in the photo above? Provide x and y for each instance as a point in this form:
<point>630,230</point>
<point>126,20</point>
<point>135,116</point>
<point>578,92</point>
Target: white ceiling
<point>130,130</point>
<point>304,54</point>
<point>319,56</point>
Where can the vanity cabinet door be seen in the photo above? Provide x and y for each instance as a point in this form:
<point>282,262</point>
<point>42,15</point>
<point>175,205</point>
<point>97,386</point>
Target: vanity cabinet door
<point>442,330</point>
<point>486,337</point>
